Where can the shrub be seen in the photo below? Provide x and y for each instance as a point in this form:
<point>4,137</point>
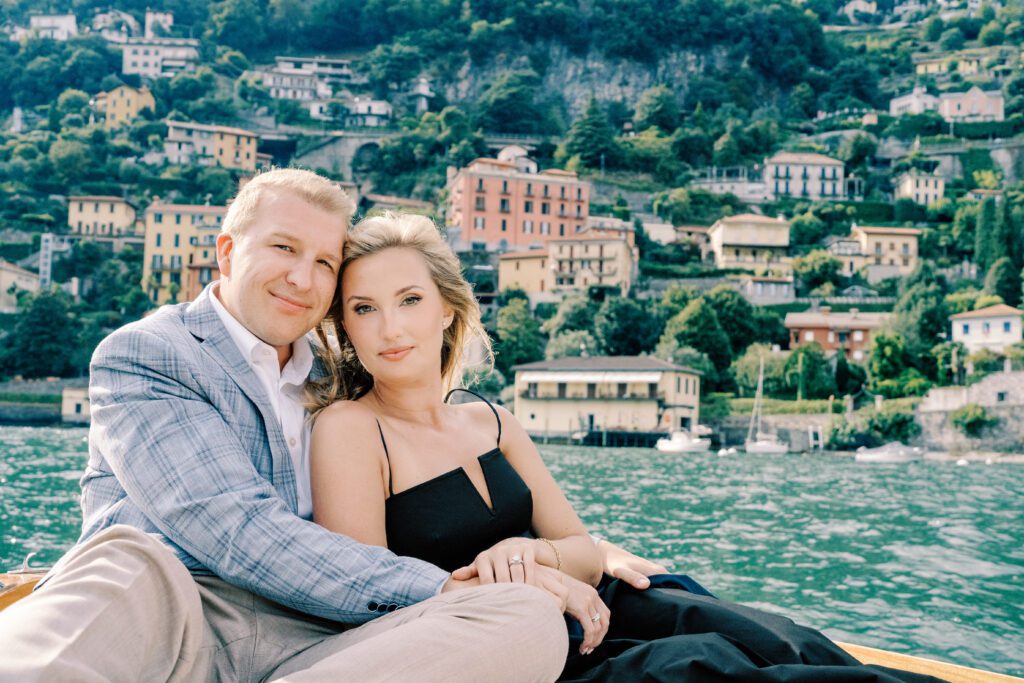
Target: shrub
<point>972,420</point>
<point>892,424</point>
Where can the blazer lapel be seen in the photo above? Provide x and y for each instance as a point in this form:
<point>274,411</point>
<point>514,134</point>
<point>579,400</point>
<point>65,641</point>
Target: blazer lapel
<point>202,321</point>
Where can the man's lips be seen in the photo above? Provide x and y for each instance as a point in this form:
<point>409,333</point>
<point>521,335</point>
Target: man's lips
<point>294,303</point>
<point>395,353</point>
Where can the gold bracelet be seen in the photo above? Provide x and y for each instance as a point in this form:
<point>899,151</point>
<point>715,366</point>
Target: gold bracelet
<point>554,549</point>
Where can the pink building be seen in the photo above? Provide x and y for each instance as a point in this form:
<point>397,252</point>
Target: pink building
<point>973,105</point>
<point>505,204</point>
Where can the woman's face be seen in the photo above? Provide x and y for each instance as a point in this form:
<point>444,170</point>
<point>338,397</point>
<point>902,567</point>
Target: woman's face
<point>394,314</point>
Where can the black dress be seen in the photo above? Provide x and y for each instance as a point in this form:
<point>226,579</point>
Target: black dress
<point>654,635</point>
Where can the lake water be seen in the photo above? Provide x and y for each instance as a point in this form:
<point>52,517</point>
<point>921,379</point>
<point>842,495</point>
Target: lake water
<point>925,558</point>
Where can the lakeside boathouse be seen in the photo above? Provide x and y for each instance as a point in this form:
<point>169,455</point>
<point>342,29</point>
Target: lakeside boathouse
<point>606,394</point>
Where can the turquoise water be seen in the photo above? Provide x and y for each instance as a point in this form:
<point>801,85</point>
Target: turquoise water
<point>925,558</point>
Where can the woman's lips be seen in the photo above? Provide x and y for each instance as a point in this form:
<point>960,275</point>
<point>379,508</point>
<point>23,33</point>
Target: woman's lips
<point>397,353</point>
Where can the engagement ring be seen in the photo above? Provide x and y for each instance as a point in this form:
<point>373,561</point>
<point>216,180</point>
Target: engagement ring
<point>515,559</point>
<point>596,617</point>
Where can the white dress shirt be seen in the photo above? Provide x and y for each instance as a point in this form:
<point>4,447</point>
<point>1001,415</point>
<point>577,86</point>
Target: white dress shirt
<point>284,389</point>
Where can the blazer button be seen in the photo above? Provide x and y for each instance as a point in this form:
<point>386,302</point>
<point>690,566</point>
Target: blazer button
<point>382,608</point>
<point>392,607</point>
<point>372,606</point>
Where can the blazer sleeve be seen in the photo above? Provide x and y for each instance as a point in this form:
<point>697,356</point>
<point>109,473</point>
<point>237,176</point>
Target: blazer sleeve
<point>181,463</point>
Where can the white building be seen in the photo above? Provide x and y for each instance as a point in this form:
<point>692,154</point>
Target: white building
<point>923,188</point>
<point>115,26</point>
<point>332,71</point>
<point>917,101</point>
<point>752,242</point>
<point>74,405</point>
<point>158,23</point>
<point>159,57</point>
<point>658,230</point>
<point>745,184</point>
<point>368,112</point>
<point>805,175</point>
<point>855,7</point>
<point>993,328</point>
<point>56,26</point>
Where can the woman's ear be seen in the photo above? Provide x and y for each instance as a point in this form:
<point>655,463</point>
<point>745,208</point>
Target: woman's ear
<point>447,322</point>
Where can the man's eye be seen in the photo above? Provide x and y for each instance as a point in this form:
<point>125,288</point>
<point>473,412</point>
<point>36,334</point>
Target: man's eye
<point>324,262</point>
<point>283,247</point>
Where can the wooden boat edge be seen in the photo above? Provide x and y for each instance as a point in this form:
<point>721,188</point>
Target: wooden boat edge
<point>19,584</point>
<point>955,673</point>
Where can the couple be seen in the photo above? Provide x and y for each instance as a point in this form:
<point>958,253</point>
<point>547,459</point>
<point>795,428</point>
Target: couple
<point>224,539</point>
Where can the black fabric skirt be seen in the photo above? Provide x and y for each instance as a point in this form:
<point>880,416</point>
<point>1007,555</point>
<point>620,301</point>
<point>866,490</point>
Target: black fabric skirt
<point>683,633</point>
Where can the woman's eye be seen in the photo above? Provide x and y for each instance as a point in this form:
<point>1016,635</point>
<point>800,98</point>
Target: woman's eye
<point>362,308</point>
<point>411,300</point>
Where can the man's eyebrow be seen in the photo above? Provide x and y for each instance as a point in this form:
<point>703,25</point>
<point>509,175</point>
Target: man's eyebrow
<point>282,236</point>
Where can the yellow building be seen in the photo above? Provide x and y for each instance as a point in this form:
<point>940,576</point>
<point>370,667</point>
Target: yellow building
<point>528,270</point>
<point>606,393</point>
<point>74,404</point>
<point>923,188</point>
<point>590,259</point>
<point>751,241</point>
<point>12,280</point>
<point>207,145</point>
<point>881,252</point>
<point>122,105</point>
<point>178,236</point>
<point>101,216</point>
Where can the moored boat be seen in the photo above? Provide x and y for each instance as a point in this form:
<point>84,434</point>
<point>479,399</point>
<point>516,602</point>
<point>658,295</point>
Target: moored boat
<point>757,440</point>
<point>894,451</point>
<point>682,442</point>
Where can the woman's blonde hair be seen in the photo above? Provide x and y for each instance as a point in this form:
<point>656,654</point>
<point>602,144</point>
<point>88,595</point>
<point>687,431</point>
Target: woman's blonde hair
<point>347,379</point>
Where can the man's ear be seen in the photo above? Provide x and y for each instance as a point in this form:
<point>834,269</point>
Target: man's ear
<point>225,246</point>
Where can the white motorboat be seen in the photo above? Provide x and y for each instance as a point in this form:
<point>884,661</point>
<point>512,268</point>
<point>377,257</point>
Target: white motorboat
<point>682,442</point>
<point>757,440</point>
<point>727,451</point>
<point>894,451</point>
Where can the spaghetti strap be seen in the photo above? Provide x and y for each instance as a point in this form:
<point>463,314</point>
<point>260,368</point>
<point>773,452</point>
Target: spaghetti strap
<point>391,489</point>
<point>489,405</point>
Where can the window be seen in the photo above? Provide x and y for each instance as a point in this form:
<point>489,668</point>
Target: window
<point>479,204</point>
<point>858,335</point>
<point>158,218</point>
<point>985,328</point>
<point>158,261</point>
<point>1001,397</point>
<point>503,206</point>
<point>808,335</point>
<point>528,227</point>
<point>480,185</point>
<point>831,336</point>
<point>531,390</point>
<point>504,225</point>
<point>545,190</point>
<point>158,240</point>
<point>561,229</point>
<point>967,328</point>
<point>504,186</point>
<point>621,390</point>
<point>652,390</point>
<point>545,208</point>
<point>478,223</point>
<point>177,219</point>
<point>177,240</point>
<point>529,189</point>
<point>561,389</point>
<point>1006,326</point>
<point>545,228</point>
<point>528,207</point>
<point>591,391</point>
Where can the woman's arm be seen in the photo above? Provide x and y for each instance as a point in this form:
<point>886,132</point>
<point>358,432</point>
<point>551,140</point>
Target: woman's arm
<point>553,516</point>
<point>348,473</point>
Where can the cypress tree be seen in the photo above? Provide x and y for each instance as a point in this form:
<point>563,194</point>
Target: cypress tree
<point>1003,279</point>
<point>985,250</point>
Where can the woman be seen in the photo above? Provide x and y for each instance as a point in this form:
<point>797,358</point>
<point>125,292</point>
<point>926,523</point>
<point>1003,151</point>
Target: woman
<point>463,486</point>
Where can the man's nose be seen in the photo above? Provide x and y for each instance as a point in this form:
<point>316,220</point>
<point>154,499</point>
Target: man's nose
<point>300,275</point>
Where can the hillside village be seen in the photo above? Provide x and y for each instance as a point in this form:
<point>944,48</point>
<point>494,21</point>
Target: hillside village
<point>846,205</point>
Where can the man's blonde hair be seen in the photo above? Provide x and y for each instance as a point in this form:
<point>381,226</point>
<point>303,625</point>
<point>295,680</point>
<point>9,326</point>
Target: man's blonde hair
<point>308,186</point>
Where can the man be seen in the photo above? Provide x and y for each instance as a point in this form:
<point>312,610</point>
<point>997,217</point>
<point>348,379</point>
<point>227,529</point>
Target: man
<point>197,559</point>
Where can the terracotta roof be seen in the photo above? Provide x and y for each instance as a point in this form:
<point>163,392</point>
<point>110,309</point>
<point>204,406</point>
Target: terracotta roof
<point>604,363</point>
<point>874,230</point>
<point>212,128</point>
<point>996,311</point>
<point>751,218</point>
<point>529,253</point>
<point>802,158</point>
<point>850,320</point>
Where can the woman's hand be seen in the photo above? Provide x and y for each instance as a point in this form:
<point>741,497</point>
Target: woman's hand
<point>624,565</point>
<point>583,604</point>
<point>513,560</point>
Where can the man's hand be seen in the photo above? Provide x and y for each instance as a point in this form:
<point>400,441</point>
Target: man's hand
<point>453,584</point>
<point>624,565</point>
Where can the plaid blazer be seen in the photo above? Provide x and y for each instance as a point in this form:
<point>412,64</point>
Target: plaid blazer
<point>184,444</point>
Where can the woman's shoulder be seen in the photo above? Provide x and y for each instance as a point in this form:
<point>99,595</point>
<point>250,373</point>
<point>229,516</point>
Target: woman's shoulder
<point>345,414</point>
<point>486,414</point>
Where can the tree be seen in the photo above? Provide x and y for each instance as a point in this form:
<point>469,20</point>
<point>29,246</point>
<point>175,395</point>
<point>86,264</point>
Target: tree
<point>237,23</point>
<point>592,139</point>
<point>1007,238</point>
<point>571,344</point>
<point>849,378</point>
<point>1004,280</point>
<point>808,373</point>
<point>991,34</point>
<point>519,337</point>
<point>747,367</point>
<point>657,108</point>
<point>933,29</point>
<point>626,327</point>
<point>735,315</point>
<point>817,268</point>
<point>575,312</point>
<point>70,159</point>
<point>951,39</point>
<point>888,357</point>
<point>675,299</point>
<point>72,101</point>
<point>697,326</point>
<point>986,250</point>
<point>507,104</point>
<point>38,345</point>
<point>806,228</point>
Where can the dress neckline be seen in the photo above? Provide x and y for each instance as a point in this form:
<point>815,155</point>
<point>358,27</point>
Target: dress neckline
<point>456,472</point>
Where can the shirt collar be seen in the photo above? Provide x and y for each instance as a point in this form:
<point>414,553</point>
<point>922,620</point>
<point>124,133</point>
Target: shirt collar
<point>295,371</point>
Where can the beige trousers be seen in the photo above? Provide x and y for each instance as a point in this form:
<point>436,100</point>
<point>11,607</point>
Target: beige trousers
<point>124,608</point>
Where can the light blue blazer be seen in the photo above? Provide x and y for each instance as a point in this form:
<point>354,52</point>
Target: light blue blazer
<point>184,444</point>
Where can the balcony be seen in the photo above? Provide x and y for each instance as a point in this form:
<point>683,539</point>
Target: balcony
<point>599,396</point>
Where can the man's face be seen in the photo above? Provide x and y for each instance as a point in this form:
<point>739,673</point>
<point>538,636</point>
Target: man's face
<point>278,277</point>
